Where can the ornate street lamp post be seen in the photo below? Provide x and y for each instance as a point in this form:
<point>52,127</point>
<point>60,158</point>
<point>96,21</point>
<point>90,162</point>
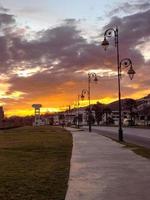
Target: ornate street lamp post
<point>123,63</point>
<point>91,76</point>
<point>83,93</point>
<point>78,111</point>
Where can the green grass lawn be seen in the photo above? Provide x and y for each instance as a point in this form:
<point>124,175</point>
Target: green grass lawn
<point>34,163</point>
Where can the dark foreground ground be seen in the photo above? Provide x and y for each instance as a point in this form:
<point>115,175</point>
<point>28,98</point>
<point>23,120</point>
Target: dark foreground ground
<point>34,163</point>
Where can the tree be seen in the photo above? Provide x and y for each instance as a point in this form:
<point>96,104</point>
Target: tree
<point>98,108</point>
<point>90,117</point>
<point>61,118</point>
<point>131,105</point>
<point>146,113</point>
<point>107,111</point>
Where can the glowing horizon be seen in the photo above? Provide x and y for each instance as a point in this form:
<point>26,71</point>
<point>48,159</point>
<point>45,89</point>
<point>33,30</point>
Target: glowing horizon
<point>106,100</point>
<point>48,49</point>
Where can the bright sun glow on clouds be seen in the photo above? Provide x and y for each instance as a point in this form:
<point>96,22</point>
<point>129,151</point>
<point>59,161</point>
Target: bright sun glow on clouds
<point>15,95</point>
<point>99,72</point>
<point>4,88</point>
<point>103,72</point>
<point>4,94</point>
<point>28,72</point>
<point>144,48</point>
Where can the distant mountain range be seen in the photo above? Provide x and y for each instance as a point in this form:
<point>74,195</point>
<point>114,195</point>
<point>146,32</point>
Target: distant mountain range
<point>146,97</point>
<point>114,105</point>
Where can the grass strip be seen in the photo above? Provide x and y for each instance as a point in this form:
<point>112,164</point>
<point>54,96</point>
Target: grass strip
<point>142,151</point>
<point>139,150</point>
<point>34,163</point>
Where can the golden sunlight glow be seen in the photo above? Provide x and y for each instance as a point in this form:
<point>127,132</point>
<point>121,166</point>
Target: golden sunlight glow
<point>50,110</point>
<point>28,112</point>
<point>24,112</point>
<point>108,100</point>
<point>139,94</point>
<point>105,100</point>
<point>15,95</point>
<point>19,112</point>
<point>3,89</point>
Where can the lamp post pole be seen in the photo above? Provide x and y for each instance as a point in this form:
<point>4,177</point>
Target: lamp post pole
<point>78,111</point>
<point>89,98</point>
<point>85,91</point>
<point>126,63</point>
<point>119,88</point>
<point>91,76</point>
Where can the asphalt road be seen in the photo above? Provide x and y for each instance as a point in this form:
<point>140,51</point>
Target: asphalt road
<point>131,135</point>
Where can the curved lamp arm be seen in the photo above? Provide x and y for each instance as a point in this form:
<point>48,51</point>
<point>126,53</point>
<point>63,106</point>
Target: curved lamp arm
<point>83,93</point>
<point>93,76</point>
<point>126,62</point>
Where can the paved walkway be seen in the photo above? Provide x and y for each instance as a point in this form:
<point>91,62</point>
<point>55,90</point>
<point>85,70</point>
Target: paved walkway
<point>102,169</point>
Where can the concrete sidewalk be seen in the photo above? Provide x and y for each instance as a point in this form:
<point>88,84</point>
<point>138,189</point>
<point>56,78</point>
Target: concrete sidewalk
<point>102,169</point>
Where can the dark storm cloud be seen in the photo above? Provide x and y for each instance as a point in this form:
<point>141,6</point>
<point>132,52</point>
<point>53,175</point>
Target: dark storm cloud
<point>63,50</point>
<point>63,43</point>
<point>35,83</point>
<point>43,83</point>
<point>6,19</point>
<point>2,9</point>
<point>133,31</point>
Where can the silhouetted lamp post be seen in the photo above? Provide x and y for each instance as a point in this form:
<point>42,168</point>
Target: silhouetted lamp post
<point>123,63</point>
<point>78,111</point>
<point>91,76</point>
<point>83,93</point>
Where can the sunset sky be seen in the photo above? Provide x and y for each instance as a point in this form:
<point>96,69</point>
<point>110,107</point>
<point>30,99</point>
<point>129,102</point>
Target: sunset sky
<point>48,47</point>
